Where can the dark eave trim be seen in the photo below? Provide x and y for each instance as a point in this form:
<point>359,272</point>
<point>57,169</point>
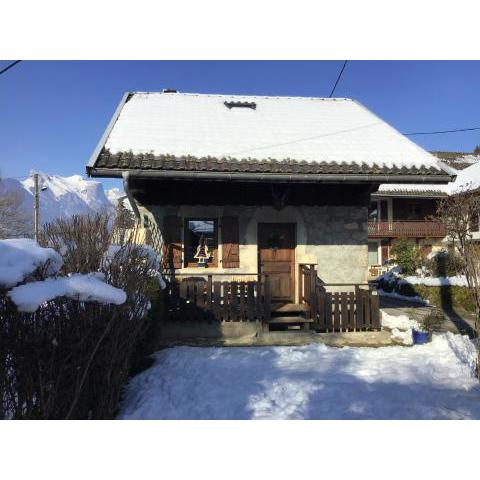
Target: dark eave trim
<point>426,194</point>
<point>267,177</point>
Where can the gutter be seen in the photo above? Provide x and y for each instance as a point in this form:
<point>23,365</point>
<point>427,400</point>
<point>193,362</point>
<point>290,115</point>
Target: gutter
<point>133,203</point>
<point>268,177</point>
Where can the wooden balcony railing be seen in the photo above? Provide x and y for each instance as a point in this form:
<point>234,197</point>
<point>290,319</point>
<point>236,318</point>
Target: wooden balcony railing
<point>408,228</point>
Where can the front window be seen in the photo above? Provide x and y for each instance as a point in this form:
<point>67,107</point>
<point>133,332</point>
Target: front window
<point>201,242</point>
<point>373,253</point>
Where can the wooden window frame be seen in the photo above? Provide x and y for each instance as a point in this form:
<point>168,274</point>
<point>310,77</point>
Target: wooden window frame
<point>186,244</point>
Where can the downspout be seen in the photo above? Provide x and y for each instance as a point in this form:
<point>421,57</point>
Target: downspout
<point>126,187</point>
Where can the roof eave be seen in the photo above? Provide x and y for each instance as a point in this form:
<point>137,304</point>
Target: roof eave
<point>266,177</point>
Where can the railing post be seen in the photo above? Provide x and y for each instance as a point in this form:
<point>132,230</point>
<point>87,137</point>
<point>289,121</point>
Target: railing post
<point>267,304</point>
<point>209,292</point>
<point>312,300</point>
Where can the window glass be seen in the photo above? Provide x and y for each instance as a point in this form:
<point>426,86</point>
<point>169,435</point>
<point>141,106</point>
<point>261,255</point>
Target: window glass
<point>373,253</point>
<point>200,233</point>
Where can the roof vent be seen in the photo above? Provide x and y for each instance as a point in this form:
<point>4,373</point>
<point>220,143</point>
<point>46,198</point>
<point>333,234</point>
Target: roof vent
<point>169,90</point>
<point>231,105</point>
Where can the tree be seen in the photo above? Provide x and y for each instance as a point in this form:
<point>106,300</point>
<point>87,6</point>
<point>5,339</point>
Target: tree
<point>458,213</point>
<point>13,220</point>
<point>123,223</point>
<point>476,151</point>
<point>407,255</point>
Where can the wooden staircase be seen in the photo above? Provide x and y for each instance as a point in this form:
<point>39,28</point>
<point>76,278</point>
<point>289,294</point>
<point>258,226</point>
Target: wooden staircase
<point>289,316</point>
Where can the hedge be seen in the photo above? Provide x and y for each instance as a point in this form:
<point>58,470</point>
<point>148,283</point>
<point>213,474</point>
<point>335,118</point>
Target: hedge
<point>445,296</point>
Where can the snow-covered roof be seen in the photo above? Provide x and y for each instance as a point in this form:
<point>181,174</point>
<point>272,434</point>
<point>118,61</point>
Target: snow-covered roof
<point>412,189</point>
<point>467,179</point>
<point>149,127</point>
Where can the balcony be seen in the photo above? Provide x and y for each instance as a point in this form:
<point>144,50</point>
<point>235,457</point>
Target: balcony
<point>408,228</point>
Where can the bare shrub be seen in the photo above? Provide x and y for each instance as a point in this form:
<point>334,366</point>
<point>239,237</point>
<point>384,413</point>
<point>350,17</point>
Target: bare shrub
<point>82,240</point>
<point>70,359</point>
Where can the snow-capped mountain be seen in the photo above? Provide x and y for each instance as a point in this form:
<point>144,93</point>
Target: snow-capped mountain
<point>62,197</point>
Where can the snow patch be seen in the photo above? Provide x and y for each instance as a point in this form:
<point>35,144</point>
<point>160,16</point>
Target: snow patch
<point>456,281</point>
<point>82,287</point>
<point>401,327</point>
<point>20,257</point>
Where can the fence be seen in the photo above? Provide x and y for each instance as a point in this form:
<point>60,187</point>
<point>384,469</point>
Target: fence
<point>200,299</point>
<point>355,310</point>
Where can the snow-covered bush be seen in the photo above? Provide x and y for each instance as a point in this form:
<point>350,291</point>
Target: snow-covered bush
<point>70,328</point>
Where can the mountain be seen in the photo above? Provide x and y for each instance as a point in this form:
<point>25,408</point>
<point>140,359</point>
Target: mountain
<point>61,196</point>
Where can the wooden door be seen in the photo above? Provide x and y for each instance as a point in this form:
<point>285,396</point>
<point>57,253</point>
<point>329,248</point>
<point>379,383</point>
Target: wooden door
<point>276,256</point>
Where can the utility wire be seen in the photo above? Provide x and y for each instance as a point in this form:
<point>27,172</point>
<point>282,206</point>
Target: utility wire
<point>444,131</point>
<point>338,78</point>
<point>8,67</point>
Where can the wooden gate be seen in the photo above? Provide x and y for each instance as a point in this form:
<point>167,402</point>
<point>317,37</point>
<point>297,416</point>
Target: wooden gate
<point>346,311</point>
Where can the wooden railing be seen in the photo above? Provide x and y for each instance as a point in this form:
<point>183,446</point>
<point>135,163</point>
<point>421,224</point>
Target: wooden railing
<point>355,310</point>
<point>411,228</point>
<point>197,298</point>
<point>204,298</point>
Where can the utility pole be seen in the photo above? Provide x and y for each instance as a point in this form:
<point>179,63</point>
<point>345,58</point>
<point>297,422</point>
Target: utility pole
<point>36,203</point>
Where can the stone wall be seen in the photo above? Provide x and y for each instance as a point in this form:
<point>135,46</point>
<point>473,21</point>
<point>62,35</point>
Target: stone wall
<point>333,237</point>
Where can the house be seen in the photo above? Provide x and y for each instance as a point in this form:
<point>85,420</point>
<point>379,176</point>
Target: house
<point>263,199</point>
<point>406,211</point>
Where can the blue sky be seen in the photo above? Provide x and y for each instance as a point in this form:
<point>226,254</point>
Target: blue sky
<point>52,113</point>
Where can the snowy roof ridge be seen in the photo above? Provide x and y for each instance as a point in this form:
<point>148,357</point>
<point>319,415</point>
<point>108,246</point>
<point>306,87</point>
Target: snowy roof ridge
<point>237,95</point>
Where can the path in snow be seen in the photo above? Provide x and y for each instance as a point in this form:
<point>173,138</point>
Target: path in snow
<point>434,381</point>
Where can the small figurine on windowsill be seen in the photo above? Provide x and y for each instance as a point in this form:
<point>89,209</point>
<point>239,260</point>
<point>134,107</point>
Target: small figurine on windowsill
<point>202,255</point>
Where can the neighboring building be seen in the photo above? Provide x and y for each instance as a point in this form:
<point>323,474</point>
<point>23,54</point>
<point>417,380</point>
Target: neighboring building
<point>406,211</point>
<point>269,185</point>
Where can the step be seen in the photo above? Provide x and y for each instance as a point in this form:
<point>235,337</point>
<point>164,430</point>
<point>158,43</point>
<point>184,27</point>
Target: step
<point>290,320</point>
<point>289,307</point>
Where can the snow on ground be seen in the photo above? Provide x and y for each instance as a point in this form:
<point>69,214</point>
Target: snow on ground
<point>432,381</point>
<point>456,281</point>
<point>401,327</point>
<point>83,287</point>
<point>20,257</point>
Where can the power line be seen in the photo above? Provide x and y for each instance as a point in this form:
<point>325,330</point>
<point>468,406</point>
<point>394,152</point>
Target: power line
<point>444,131</point>
<point>338,78</point>
<point>8,67</point>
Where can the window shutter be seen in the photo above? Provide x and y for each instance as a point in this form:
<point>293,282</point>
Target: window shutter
<point>172,228</point>
<point>230,243</point>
